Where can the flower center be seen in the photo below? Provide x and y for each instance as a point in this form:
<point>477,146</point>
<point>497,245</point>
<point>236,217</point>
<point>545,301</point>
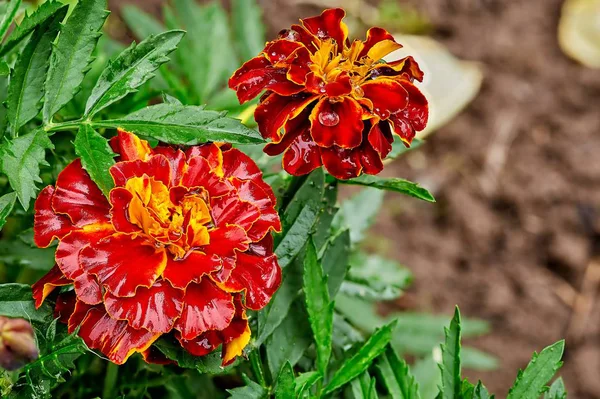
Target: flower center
<point>179,224</point>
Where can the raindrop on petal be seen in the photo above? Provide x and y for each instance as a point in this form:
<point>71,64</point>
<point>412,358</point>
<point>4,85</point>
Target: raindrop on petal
<point>329,118</point>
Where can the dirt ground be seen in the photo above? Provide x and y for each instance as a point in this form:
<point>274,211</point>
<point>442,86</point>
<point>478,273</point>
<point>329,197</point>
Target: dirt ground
<point>514,237</point>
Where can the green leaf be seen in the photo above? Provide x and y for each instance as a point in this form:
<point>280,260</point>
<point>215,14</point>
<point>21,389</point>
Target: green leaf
<point>26,87</point>
<point>531,383</point>
<point>141,24</point>
<point>481,392</point>
<point>395,375</point>
<point>7,203</point>
<point>184,125</point>
<point>557,390</point>
<point>358,213</point>
<point>362,359</point>
<point>450,367</point>
<point>427,374</point>
<point>286,385</point>
<point>21,160</point>
<point>210,364</point>
<point>44,12</point>
<point>131,69</point>
<point>96,156</point>
<point>306,380</point>
<point>392,184</point>
<point>362,387</point>
<point>8,17</point>
<point>248,28</point>
<point>21,254</point>
<point>251,391</point>
<point>335,262</point>
<point>319,307</point>
<point>72,54</point>
<point>16,300</point>
<point>477,360</point>
<point>4,68</point>
<point>323,231</point>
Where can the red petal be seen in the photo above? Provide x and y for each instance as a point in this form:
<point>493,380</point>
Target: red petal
<point>337,123</point>
<point>120,198</point>
<point>130,147</point>
<point>279,50</point>
<point>386,96</point>
<point>302,156</point>
<point>383,42</point>
<point>417,110</point>
<point>341,86</point>
<point>237,164</point>
<point>340,163</point>
<point>116,261</point>
<point>299,33</point>
<point>79,197</point>
<point>47,224</point>
<point>328,25</point>
<point>65,306</point>
<point>403,129</point>
<point>380,137</point>
<point>299,65</point>
<point>157,166</point>
<point>176,158</point>
<point>206,307</point>
<point>155,356</point>
<point>370,160</point>
<point>211,152</point>
<point>269,218</point>
<point>263,247</point>
<point>195,265</point>
<point>202,345</point>
<point>224,242</point>
<point>114,338</point>
<point>237,336</point>
<point>407,67</point>
<point>258,276</point>
<point>200,174</point>
<point>154,309</point>
<point>44,287</point>
<point>230,209</point>
<point>275,110</point>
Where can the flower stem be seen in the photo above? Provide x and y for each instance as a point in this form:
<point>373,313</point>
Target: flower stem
<point>110,380</point>
<point>257,368</point>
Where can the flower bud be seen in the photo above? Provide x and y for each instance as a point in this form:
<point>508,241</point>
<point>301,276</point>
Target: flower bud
<point>17,343</point>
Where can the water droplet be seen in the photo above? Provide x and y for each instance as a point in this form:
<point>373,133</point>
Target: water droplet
<point>322,90</point>
<point>358,91</point>
<point>329,118</point>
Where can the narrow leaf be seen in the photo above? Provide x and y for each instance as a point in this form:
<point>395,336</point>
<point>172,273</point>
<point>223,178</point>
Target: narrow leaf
<point>7,202</point>
<point>141,23</point>
<point>335,261</point>
<point>21,160</point>
<point>16,301</point>
<point>96,156</point>
<point>481,392</point>
<point>251,391</point>
<point>362,359</point>
<point>9,16</point>
<point>4,68</point>
<point>557,390</point>
<point>319,307</point>
<point>184,125</point>
<point>132,68</point>
<point>396,376</point>
<point>392,184</point>
<point>358,213</point>
<point>532,382</point>
<point>286,386</point>
<point>450,367</point>
<point>72,54</point>
<point>26,87</point>
<point>248,28</point>
<point>305,381</point>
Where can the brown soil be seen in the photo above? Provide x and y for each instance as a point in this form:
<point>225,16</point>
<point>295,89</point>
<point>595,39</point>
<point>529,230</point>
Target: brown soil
<point>514,237</point>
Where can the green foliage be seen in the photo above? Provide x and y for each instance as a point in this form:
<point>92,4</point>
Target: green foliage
<point>96,156</point>
<point>286,385</point>
<point>16,301</point>
<point>398,185</point>
<point>8,15</point>
<point>395,375</point>
<point>358,213</point>
<point>451,367</point>
<point>204,364</point>
<point>305,381</point>
<point>7,202</point>
<point>557,390</point>
<point>248,29</point>
<point>251,391</point>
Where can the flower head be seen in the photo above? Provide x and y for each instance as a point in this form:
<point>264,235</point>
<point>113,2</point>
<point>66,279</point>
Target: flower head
<point>17,343</point>
<point>331,102</point>
<point>182,246</point>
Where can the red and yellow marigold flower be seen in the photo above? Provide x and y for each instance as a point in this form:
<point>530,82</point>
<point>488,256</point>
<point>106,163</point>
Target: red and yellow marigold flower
<point>183,246</point>
<point>331,102</point>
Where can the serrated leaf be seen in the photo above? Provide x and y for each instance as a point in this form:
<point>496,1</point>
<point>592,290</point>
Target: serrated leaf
<point>210,364</point>
<point>335,261</point>
<point>141,23</point>
<point>395,375</point>
<point>318,305</point>
<point>451,367</point>
<point>286,385</point>
<point>532,382</point>
<point>7,203</point>
<point>480,392</point>
<point>184,125</point>
<point>26,87</point>
<point>362,359</point>
<point>306,380</point>
<point>131,69</point>
<point>392,184</point>
<point>427,374</point>
<point>21,159</point>
<point>252,390</point>
<point>72,54</point>
<point>96,156</point>
<point>16,300</point>
<point>4,69</point>
<point>9,15</point>
<point>248,28</point>
<point>362,387</point>
<point>45,11</point>
<point>358,213</point>
<point>557,390</point>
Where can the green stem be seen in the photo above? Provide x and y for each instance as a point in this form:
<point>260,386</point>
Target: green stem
<point>70,125</point>
<point>110,380</point>
<point>257,368</point>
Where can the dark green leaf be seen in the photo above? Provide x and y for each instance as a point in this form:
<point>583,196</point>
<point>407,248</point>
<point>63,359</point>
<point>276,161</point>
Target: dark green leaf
<point>248,28</point>
<point>251,391</point>
<point>96,156</point>
<point>286,385</point>
<point>451,367</point>
<point>72,54</point>
<point>319,307</point>
<point>306,380</point>
<point>396,376</point>
<point>344,334</point>
<point>7,202</point>
<point>362,387</point>
<point>335,261</point>
<point>210,363</point>
<point>21,254</point>
<point>26,87</point>
<point>141,23</point>
<point>16,300</point>
<point>358,213</point>
<point>131,69</point>
<point>45,11</point>
<point>392,184</point>
<point>480,392</point>
<point>8,17</point>
<point>295,238</point>
<point>184,125</point>
<point>557,390</point>
<point>531,383</point>
<point>362,359</point>
<point>4,68</point>
<point>323,232</point>
<point>21,159</point>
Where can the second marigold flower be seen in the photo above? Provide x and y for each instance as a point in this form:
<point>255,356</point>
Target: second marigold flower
<point>182,246</point>
<point>331,102</point>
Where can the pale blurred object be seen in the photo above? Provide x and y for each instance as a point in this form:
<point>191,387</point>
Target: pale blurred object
<point>17,343</point>
<point>579,31</point>
<point>449,83</point>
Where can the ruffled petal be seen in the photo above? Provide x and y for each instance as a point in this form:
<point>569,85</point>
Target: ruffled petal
<point>202,345</point>
<point>200,174</point>
<point>130,147</point>
<point>239,165</point>
<point>328,25</point>
<point>370,160</point>
<point>120,198</point>
<point>65,306</point>
<point>258,276</point>
<point>154,309</point>
<point>379,43</point>
<point>384,97</point>
<point>274,111</point>
<point>407,67</point>
<point>230,209</point>
<point>212,152</point>
<point>279,50</point>
<point>79,197</point>
<point>177,160</point>
<point>414,117</point>
<point>47,224</point>
<point>298,33</point>
<point>340,86</point>
<point>225,242</point>
<point>340,163</point>
<point>381,139</point>
<point>192,268</point>
<point>234,345</point>
<point>116,260</point>
<point>156,166</point>
<point>44,287</point>
<point>269,218</point>
<point>299,65</point>
<point>303,155</point>
<point>337,123</point>
<point>206,307</point>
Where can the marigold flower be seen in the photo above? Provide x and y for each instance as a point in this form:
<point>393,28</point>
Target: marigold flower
<point>182,246</point>
<point>331,102</point>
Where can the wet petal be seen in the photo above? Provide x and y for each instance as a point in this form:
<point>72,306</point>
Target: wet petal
<point>130,147</point>
<point>379,43</point>
<point>275,110</point>
<point>156,166</point>
<point>381,139</point>
<point>202,345</point>
<point>212,153</point>
<point>417,110</point>
<point>299,65</point>
<point>177,160</point>
<point>47,224</point>
<point>340,86</point>
<point>154,309</point>
<point>407,67</point>
<point>298,33</point>
<point>279,50</point>
<point>258,276</point>
<point>239,165</point>
<point>120,198</point>
<point>116,261</point>
<point>200,174</point>
<point>44,287</point>
<point>234,344</point>
<point>328,25</point>
<point>196,264</point>
<point>302,156</point>
<point>386,97</point>
<point>65,306</point>
<point>225,242</point>
<point>370,160</point>
<point>337,123</point>
<point>230,209</point>
<point>340,163</point>
<point>269,218</point>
